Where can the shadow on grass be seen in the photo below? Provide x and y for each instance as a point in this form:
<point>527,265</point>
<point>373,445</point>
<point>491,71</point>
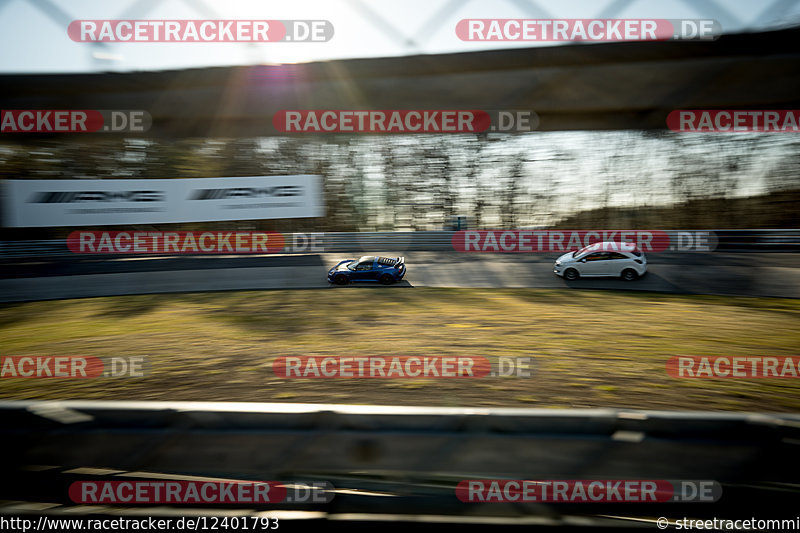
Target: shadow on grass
<point>130,306</point>
<point>11,314</point>
<point>339,309</point>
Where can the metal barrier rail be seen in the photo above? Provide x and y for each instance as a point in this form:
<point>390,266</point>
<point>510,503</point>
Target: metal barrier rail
<point>417,455</point>
<point>768,240</point>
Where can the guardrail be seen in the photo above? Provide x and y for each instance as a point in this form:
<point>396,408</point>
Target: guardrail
<point>416,455</point>
<point>767,240</point>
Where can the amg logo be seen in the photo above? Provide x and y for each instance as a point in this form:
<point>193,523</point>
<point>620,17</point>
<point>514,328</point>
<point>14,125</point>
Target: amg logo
<point>247,192</point>
<point>66,197</point>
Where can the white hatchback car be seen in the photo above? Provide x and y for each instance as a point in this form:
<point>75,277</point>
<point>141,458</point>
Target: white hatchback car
<point>619,259</point>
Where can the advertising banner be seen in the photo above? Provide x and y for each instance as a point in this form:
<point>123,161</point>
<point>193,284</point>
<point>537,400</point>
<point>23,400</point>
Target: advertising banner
<point>47,203</point>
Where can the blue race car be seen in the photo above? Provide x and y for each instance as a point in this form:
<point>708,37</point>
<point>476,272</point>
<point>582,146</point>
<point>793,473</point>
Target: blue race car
<point>386,270</point>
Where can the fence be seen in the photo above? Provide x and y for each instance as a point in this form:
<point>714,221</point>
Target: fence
<point>750,240</point>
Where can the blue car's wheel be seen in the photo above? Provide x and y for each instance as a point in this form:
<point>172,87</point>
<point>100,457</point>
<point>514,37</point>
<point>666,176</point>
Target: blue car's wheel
<point>340,279</point>
<point>386,279</point>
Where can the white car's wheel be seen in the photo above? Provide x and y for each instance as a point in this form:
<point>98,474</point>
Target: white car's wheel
<point>629,274</point>
<point>571,274</point>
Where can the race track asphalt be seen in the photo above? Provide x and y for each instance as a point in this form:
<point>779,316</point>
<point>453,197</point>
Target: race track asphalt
<point>742,274</point>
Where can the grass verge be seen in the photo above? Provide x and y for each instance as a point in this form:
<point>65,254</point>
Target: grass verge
<point>590,349</point>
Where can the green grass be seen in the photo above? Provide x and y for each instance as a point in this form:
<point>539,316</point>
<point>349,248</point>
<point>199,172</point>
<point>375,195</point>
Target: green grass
<point>590,349</point>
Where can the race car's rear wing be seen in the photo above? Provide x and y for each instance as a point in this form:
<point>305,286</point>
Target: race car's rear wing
<point>399,262</point>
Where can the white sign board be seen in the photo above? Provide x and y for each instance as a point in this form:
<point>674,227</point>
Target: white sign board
<point>44,203</point>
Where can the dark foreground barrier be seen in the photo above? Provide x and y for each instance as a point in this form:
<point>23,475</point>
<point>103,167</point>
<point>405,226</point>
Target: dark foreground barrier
<point>409,463</point>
